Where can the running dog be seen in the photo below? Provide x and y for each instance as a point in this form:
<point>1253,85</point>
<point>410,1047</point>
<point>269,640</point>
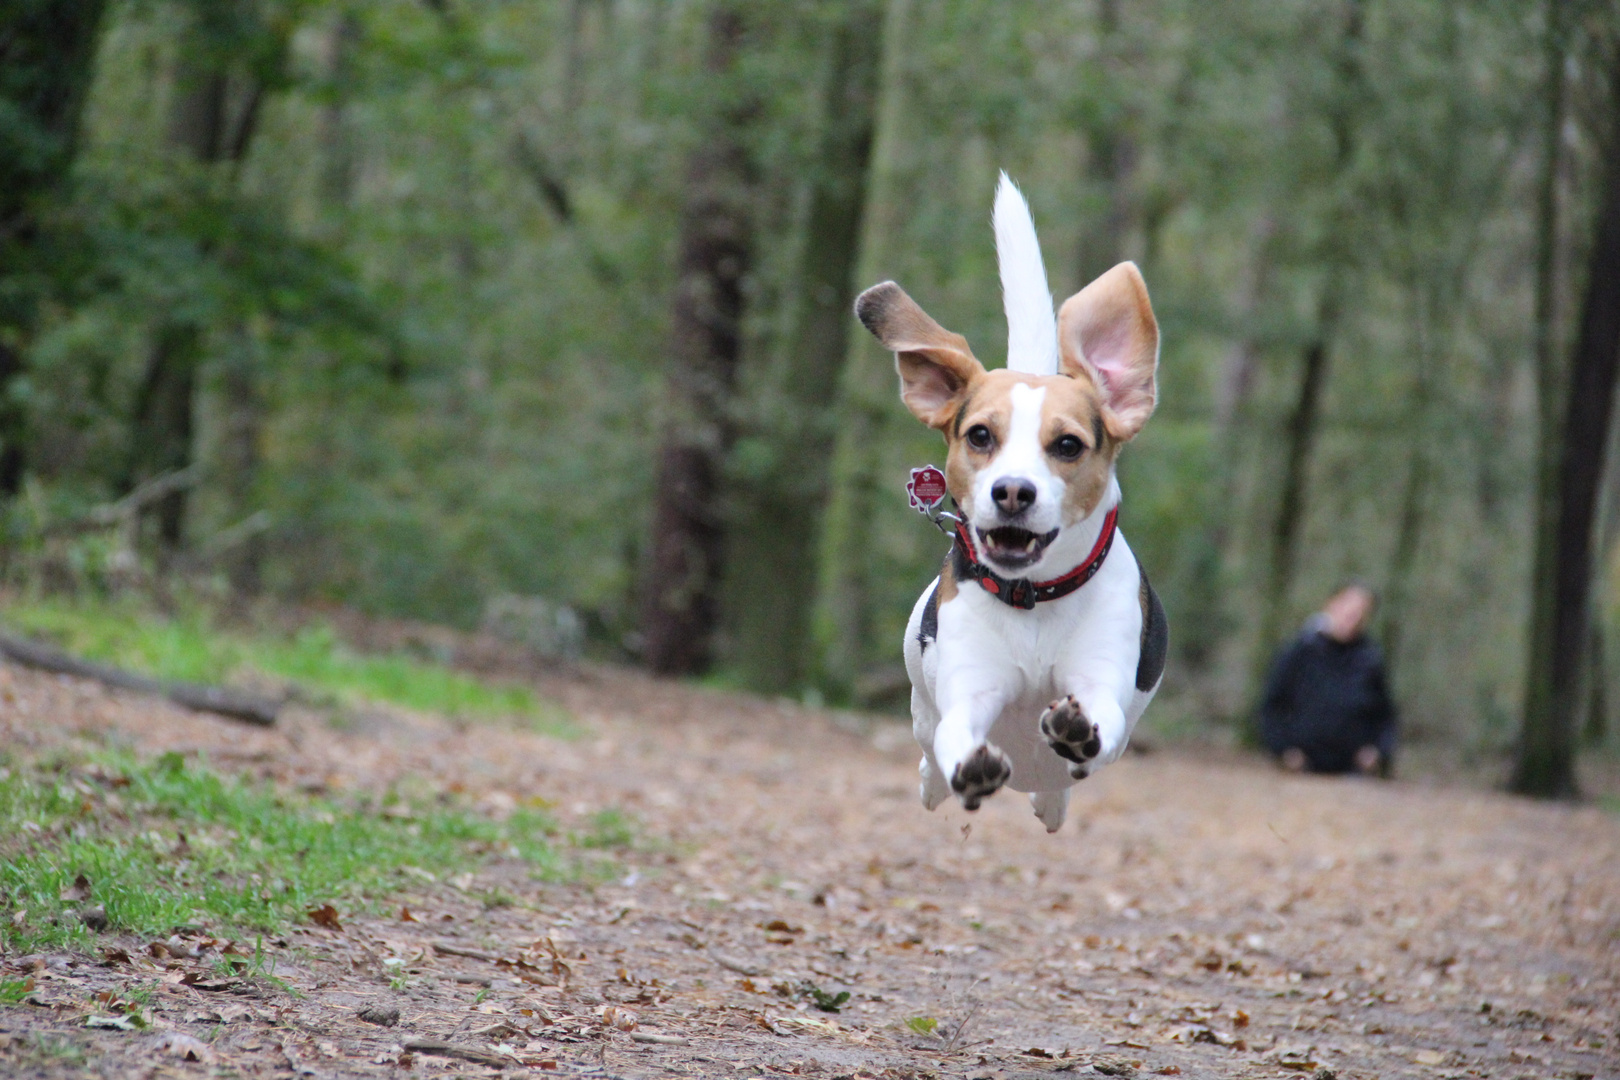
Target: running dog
<point>1040,644</point>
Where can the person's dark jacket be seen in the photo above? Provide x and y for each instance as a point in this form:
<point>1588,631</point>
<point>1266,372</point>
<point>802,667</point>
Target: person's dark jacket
<point>1328,698</point>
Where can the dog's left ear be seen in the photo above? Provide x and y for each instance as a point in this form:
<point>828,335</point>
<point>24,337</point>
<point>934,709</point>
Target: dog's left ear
<point>935,365</point>
<point>1107,331</point>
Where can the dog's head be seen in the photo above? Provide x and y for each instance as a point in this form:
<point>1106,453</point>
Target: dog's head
<point>1030,455</point>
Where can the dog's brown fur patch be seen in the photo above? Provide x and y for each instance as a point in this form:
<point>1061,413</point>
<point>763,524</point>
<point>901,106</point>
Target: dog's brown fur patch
<point>1072,406</point>
<point>947,581</point>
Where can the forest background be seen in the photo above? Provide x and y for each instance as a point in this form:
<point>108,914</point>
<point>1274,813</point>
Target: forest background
<point>540,311</point>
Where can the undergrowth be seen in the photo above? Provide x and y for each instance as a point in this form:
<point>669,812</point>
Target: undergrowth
<point>167,843</point>
<point>187,647</point>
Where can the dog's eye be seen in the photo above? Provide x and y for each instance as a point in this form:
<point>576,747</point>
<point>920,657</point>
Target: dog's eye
<point>979,437</point>
<point>1068,448</point>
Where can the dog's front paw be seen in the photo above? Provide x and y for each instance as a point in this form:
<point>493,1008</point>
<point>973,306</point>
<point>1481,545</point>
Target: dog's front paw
<point>981,775</point>
<point>1071,734</point>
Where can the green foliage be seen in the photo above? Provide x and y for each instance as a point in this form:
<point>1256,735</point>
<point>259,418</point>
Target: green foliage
<point>827,1002</point>
<point>446,257</point>
<point>806,990</point>
<point>188,647</point>
<point>608,829</point>
<point>165,843</point>
<point>922,1025</point>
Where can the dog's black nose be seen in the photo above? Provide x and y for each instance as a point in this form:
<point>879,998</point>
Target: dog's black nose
<point>1014,494</point>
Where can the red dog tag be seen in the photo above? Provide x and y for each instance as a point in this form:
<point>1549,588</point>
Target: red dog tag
<point>926,489</point>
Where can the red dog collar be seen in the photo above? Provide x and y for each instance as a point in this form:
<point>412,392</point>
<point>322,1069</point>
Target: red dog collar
<point>1022,592</point>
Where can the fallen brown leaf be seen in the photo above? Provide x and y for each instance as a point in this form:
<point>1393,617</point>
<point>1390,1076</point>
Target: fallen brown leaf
<point>185,1047</point>
<point>326,916</point>
<point>779,927</point>
<point>78,892</point>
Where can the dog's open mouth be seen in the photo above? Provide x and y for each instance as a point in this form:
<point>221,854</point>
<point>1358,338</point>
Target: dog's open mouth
<point>1013,547</point>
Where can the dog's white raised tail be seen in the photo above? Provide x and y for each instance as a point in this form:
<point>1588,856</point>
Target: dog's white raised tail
<point>1032,342</point>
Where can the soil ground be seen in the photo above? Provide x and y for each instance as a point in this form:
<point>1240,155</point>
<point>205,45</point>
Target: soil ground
<point>1200,915</point>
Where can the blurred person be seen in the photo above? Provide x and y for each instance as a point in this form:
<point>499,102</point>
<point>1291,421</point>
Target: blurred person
<point>1327,707</point>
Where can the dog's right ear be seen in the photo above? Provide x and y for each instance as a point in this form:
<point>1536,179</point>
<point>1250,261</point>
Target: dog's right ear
<point>935,365</point>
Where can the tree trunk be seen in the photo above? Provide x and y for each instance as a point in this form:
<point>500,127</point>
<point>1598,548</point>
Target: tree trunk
<point>867,389</point>
<point>47,54</point>
<point>237,458</point>
<point>1409,527</point>
<point>772,566</point>
<point>162,430</point>
<point>1549,382</point>
<point>162,424</point>
<point>683,573</point>
<point>1545,764</point>
<point>201,127</point>
<point>335,133</point>
<point>13,421</point>
<point>1204,589</point>
<point>1299,439</point>
<point>1595,728</point>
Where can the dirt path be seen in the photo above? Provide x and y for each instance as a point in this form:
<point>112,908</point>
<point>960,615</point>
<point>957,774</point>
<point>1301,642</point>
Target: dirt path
<point>1194,918</point>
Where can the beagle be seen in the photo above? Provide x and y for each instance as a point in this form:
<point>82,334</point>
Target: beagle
<point>1040,644</point>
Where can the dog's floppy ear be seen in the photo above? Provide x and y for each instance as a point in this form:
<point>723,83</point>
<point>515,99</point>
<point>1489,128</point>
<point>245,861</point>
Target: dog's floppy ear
<point>935,365</point>
<point>1107,331</point>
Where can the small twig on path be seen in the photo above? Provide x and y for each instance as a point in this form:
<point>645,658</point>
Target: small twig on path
<point>968,1018</point>
<point>737,965</point>
<point>660,1040</point>
<point>214,699</point>
<point>461,1053</point>
<point>445,948</point>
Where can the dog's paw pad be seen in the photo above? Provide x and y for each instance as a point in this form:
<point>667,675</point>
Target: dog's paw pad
<point>981,775</point>
<point>1071,734</point>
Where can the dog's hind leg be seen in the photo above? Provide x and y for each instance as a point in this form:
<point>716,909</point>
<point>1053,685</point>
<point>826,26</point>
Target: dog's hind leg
<point>1051,807</point>
<point>934,788</point>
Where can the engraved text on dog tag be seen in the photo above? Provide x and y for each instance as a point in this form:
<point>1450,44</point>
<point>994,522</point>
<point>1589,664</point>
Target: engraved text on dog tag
<point>926,489</point>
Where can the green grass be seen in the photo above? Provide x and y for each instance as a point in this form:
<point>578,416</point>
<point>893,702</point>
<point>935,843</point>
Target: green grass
<point>14,990</point>
<point>608,829</point>
<point>186,647</point>
<point>166,843</point>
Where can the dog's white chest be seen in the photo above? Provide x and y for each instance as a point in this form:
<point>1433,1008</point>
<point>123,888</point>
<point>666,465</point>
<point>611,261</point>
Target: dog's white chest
<point>984,652</point>
<point>1034,766</point>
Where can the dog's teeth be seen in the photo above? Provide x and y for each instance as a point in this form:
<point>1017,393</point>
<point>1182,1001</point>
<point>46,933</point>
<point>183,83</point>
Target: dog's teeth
<point>1029,545</point>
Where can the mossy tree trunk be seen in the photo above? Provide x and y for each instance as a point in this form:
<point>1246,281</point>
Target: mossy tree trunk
<point>867,391</point>
<point>213,118</point>
<point>782,483</point>
<point>1545,762</point>
<point>683,574</point>
<point>47,60</point>
<point>1344,115</point>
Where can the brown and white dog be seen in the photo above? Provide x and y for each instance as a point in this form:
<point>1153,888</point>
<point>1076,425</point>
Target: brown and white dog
<point>1041,642</point>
